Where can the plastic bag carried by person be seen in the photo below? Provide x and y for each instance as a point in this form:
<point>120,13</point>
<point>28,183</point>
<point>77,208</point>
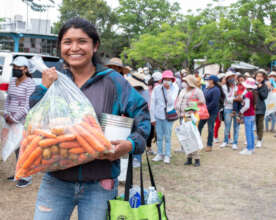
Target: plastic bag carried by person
<point>11,136</point>
<point>271,103</point>
<point>61,130</point>
<point>189,137</point>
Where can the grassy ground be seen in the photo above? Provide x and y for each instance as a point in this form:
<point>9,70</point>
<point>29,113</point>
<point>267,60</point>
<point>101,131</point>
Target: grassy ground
<point>227,186</point>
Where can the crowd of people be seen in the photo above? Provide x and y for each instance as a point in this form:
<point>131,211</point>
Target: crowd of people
<point>232,97</point>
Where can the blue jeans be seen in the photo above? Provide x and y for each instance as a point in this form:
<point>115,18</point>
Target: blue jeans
<point>56,199</point>
<point>211,123</point>
<point>164,131</point>
<point>228,122</point>
<point>271,117</point>
<point>249,122</point>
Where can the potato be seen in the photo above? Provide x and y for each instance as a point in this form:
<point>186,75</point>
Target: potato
<point>46,154</point>
<point>64,153</point>
<point>55,149</point>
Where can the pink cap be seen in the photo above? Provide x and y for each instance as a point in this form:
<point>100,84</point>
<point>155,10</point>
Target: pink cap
<point>168,74</point>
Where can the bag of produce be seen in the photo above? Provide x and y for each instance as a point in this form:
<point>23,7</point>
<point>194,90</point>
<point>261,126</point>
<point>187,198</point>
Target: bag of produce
<point>61,130</point>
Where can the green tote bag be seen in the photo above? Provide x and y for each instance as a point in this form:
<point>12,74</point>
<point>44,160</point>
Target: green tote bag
<point>120,209</point>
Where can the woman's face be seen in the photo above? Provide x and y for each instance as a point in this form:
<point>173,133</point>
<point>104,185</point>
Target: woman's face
<point>241,80</point>
<point>77,48</point>
<point>259,77</point>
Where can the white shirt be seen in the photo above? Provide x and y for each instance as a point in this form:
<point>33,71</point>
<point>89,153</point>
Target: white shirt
<point>157,107</point>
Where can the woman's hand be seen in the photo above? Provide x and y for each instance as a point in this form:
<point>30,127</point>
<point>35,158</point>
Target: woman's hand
<point>49,76</point>
<point>9,120</point>
<point>121,148</point>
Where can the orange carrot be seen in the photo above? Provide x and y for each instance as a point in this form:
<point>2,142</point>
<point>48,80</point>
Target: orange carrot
<point>34,155</point>
<point>98,134</point>
<point>44,133</point>
<point>24,143</point>
<point>20,173</point>
<point>93,122</point>
<point>83,143</point>
<point>66,137</point>
<point>48,142</point>
<point>31,137</point>
<point>78,150</point>
<point>93,142</point>
<point>71,144</point>
<point>58,131</point>
<point>30,148</point>
<point>37,161</point>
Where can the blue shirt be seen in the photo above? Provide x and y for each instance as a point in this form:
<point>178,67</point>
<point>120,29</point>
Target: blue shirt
<point>212,96</point>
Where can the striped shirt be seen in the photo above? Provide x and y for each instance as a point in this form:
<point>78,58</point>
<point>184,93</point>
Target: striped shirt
<point>17,102</point>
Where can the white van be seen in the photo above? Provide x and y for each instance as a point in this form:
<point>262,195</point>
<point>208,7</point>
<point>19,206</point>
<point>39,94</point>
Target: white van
<point>6,59</point>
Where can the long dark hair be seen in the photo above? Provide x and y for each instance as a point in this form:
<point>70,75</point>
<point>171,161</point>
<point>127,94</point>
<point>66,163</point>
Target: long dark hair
<point>86,27</point>
<point>222,95</point>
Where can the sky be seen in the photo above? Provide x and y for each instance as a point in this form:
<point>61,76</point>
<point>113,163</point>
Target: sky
<point>9,8</point>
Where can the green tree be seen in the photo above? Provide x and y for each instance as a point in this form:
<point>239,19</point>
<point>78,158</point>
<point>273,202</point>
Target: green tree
<point>98,13</point>
<point>138,17</point>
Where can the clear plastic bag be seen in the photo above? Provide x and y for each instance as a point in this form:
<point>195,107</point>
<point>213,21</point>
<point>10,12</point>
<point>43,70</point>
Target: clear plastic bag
<point>11,136</point>
<point>189,137</point>
<point>61,130</point>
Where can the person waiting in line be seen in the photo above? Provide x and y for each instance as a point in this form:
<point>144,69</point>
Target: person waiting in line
<point>213,95</point>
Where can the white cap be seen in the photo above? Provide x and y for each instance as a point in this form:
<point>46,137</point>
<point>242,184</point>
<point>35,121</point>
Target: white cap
<point>21,61</point>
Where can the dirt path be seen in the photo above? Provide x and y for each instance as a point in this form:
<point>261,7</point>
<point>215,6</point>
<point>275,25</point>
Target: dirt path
<point>227,186</point>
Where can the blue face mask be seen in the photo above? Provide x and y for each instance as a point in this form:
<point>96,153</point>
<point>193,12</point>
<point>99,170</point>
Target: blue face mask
<point>167,82</point>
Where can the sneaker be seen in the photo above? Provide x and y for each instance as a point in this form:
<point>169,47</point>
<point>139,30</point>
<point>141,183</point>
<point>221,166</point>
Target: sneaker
<point>235,147</point>
<point>167,160</point>
<point>246,152</point>
<point>223,145</point>
<point>11,178</point>
<point>157,158</point>
<point>216,140</point>
<point>23,183</point>
<point>259,144</point>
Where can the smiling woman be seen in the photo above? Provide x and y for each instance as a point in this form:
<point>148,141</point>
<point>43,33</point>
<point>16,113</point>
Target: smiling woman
<point>91,185</point>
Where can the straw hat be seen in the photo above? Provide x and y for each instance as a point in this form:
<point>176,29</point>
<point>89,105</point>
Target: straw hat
<point>134,82</point>
<point>115,61</point>
<point>191,81</point>
<point>261,71</point>
<point>250,83</point>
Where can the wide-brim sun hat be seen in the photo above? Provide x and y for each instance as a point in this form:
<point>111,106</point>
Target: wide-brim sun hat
<point>221,75</point>
<point>115,61</point>
<point>21,61</point>
<point>168,74</point>
<point>229,74</point>
<point>134,82</point>
<point>191,81</point>
<point>250,83</point>
<point>261,71</point>
<point>273,73</point>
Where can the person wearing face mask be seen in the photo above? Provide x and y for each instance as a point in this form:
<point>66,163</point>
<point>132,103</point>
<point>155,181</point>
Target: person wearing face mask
<point>213,94</point>
<point>162,101</point>
<point>229,91</point>
<point>190,94</point>
<point>17,103</point>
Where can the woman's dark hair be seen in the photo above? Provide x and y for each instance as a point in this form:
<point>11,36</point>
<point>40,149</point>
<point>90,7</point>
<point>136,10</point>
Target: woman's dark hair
<point>28,74</point>
<point>222,95</point>
<point>85,26</point>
